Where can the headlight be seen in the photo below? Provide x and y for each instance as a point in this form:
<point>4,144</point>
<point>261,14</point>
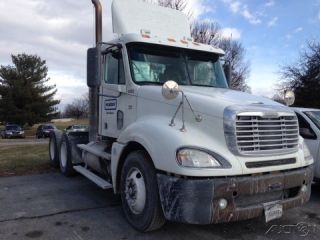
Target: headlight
<point>196,158</point>
<point>9,133</point>
<point>306,152</point>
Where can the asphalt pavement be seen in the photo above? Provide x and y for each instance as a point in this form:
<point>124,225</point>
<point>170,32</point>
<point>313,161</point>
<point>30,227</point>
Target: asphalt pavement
<point>51,206</point>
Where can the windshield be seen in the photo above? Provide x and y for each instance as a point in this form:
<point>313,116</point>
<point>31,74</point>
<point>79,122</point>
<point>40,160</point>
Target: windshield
<point>48,127</point>
<point>314,116</point>
<point>13,128</point>
<point>154,64</point>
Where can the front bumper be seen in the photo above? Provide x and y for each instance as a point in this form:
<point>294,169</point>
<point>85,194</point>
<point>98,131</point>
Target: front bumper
<point>195,201</point>
<point>15,135</point>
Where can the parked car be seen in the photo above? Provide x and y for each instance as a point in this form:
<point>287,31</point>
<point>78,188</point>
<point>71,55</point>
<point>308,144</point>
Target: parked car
<point>76,128</point>
<point>13,131</point>
<point>44,130</point>
<point>309,126</point>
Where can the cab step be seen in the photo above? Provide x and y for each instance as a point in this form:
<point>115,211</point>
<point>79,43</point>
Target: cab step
<point>96,149</point>
<point>93,177</point>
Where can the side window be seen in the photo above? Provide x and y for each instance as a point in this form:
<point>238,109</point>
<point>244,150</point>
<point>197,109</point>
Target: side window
<point>114,69</point>
<point>305,128</point>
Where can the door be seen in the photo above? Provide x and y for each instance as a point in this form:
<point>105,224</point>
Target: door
<point>309,135</point>
<point>117,108</point>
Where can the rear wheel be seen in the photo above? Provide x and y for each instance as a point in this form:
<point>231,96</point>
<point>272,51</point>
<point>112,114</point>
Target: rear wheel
<point>140,194</point>
<point>65,157</point>
<point>53,151</point>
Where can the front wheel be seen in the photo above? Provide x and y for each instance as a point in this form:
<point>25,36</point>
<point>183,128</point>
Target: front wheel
<point>140,194</point>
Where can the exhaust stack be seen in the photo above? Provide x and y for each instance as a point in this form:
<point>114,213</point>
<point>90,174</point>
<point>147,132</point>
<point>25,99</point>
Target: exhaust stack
<point>94,91</point>
<point>98,13</point>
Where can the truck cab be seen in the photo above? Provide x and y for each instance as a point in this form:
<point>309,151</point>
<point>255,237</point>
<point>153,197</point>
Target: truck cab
<point>169,136</point>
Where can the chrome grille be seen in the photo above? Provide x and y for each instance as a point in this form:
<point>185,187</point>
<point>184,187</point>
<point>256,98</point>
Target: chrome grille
<point>265,135</point>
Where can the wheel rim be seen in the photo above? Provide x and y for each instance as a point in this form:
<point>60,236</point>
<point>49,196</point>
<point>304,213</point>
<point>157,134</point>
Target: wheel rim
<point>63,154</point>
<point>135,191</point>
<point>52,149</point>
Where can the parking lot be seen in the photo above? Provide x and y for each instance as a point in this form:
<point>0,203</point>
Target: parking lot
<point>50,206</point>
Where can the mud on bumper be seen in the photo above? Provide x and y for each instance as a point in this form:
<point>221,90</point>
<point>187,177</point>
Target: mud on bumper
<point>195,201</point>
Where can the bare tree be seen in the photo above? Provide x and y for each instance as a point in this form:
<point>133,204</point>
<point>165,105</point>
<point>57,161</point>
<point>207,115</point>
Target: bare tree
<point>180,5</point>
<point>210,33</point>
<point>235,55</point>
<point>79,108</point>
<point>206,32</point>
<point>303,76</point>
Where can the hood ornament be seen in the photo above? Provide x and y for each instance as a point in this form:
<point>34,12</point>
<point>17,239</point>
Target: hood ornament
<point>170,91</point>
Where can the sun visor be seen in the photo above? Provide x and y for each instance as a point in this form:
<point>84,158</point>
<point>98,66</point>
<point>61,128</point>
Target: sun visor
<point>135,16</point>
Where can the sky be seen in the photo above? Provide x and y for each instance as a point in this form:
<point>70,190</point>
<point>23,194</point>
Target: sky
<point>273,32</point>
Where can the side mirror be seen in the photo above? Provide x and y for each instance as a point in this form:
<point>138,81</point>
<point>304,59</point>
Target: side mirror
<point>227,72</point>
<point>307,133</point>
<point>170,90</point>
<point>93,67</point>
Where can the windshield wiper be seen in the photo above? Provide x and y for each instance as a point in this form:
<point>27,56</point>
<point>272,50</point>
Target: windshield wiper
<point>201,85</point>
<point>150,83</point>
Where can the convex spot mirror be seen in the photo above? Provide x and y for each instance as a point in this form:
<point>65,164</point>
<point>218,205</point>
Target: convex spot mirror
<point>289,98</point>
<point>170,90</point>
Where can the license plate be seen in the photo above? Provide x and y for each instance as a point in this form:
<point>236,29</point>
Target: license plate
<point>272,211</point>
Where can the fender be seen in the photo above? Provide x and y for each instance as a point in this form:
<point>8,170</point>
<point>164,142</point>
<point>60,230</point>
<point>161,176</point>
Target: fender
<point>161,141</point>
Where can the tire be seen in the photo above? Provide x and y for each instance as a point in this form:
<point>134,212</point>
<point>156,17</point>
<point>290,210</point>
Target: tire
<point>53,151</point>
<point>140,194</point>
<point>65,156</point>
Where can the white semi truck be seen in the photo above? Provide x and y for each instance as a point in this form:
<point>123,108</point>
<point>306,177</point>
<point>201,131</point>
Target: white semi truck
<point>169,136</point>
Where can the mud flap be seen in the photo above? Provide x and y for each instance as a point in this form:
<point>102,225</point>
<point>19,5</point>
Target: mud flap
<point>76,138</point>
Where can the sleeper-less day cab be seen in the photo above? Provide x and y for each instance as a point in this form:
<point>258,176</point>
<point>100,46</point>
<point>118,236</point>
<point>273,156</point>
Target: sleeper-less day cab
<point>169,136</point>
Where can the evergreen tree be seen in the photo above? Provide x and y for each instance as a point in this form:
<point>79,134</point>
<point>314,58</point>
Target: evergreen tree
<point>26,98</point>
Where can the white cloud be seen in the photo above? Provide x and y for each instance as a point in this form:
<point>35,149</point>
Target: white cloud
<point>235,6</point>
<point>253,19</point>
<point>270,3</point>
<point>298,29</point>
<point>242,9</point>
<point>231,33</point>
<point>59,32</point>
<point>198,8</point>
<point>263,80</point>
<point>273,22</point>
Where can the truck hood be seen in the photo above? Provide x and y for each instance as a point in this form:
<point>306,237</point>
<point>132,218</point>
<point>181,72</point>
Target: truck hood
<point>207,100</point>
